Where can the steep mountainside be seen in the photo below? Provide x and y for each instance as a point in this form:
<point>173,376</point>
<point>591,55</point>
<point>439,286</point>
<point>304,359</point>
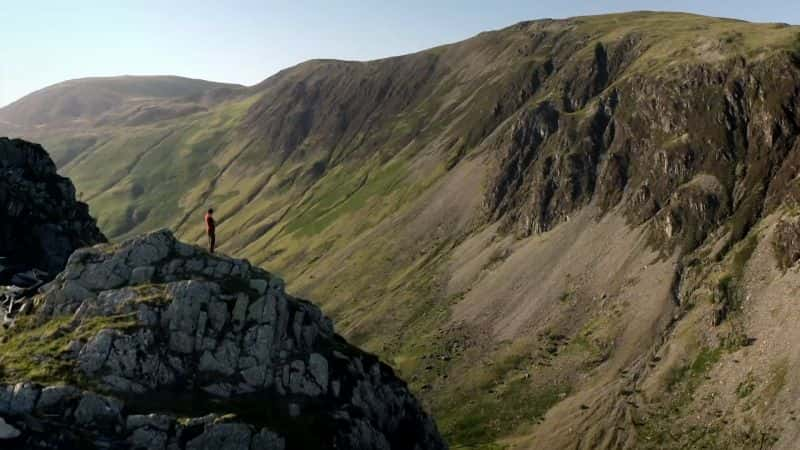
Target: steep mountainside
<point>573,233</point>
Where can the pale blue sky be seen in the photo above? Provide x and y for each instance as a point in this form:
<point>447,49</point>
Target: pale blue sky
<point>44,42</point>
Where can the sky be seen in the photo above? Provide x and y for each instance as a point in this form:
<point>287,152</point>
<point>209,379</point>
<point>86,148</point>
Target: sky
<point>245,41</point>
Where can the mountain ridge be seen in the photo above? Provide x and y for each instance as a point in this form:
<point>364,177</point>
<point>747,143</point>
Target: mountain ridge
<point>544,228</point>
<point>257,86</point>
<point>75,100</point>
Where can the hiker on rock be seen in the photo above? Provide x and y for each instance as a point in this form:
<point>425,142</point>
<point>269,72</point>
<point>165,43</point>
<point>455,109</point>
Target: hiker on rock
<point>211,229</point>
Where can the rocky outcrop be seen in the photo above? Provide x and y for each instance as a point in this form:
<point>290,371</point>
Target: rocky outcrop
<point>64,417</point>
<point>41,222</point>
<point>725,150</point>
<point>786,242</point>
<point>198,351</point>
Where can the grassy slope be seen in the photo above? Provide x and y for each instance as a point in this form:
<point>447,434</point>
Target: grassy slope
<point>88,102</point>
<point>332,185</point>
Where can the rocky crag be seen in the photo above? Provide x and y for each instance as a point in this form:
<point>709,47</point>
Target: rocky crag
<point>41,222</point>
<point>156,344</point>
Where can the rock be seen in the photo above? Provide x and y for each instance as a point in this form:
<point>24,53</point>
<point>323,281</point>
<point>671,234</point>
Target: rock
<point>6,394</point>
<point>240,311</point>
<point>255,376</point>
<point>259,286</point>
<point>150,249</point>
<point>95,353</point>
<point>7,431</point>
<point>106,303</point>
<point>268,440</point>
<point>29,278</point>
<point>209,364</point>
<point>98,412</point>
<point>185,250</point>
<point>222,436</point>
<point>142,275</point>
<point>148,439</point>
<point>218,315</point>
<point>24,399</point>
<point>318,367</point>
<point>54,398</point>
<point>222,269</point>
<point>156,421</point>
<point>786,242</point>
<point>222,390</point>
<point>207,330</point>
<point>276,284</point>
<point>76,293</point>
<point>46,223</point>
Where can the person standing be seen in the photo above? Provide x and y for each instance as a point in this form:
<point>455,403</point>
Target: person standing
<point>211,230</point>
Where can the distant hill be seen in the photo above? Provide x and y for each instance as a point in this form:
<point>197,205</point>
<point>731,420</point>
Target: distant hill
<point>127,100</point>
<point>576,233</point>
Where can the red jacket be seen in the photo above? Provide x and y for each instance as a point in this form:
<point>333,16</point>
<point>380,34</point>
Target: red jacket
<point>210,224</point>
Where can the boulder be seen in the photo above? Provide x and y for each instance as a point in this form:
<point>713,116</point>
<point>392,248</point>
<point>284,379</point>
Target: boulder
<point>7,431</point>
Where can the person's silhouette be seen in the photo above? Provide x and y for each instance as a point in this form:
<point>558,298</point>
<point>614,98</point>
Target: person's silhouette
<point>211,230</point>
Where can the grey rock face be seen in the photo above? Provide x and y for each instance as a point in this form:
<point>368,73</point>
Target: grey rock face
<point>268,440</point>
<point>218,336</point>
<point>142,275</point>
<point>148,439</point>
<point>149,431</point>
<point>156,421</point>
<point>7,431</point>
<point>53,399</point>
<point>6,394</point>
<point>99,412</point>
<point>100,421</point>
<point>23,399</point>
<point>233,436</point>
<point>41,222</point>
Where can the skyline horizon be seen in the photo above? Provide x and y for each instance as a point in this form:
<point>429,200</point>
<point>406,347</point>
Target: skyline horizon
<point>253,80</point>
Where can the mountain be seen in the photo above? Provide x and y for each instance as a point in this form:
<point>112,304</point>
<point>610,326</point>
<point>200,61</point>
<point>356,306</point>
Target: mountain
<point>576,233</point>
<point>129,100</point>
<point>154,344</point>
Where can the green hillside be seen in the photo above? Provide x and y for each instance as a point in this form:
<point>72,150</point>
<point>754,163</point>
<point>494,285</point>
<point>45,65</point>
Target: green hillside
<point>119,101</point>
<point>533,225</point>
